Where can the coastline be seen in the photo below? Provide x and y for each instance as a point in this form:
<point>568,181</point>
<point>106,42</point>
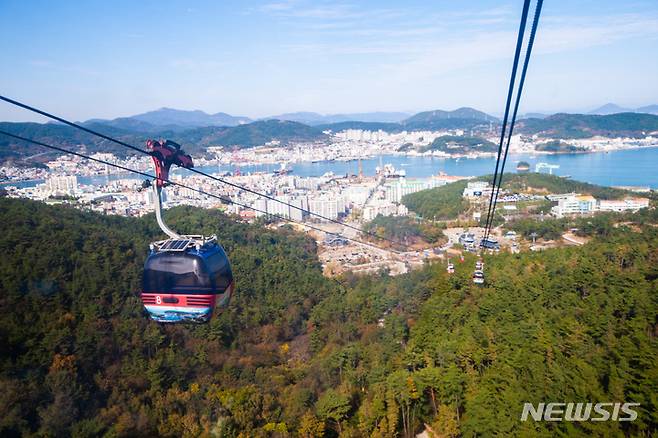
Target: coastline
<point>332,164</point>
<point>523,152</point>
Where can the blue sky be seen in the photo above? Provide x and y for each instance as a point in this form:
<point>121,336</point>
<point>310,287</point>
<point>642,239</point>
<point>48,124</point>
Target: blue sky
<point>117,58</point>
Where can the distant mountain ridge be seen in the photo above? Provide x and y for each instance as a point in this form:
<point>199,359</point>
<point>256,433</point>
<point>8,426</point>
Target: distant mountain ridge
<point>173,119</point>
<point>311,118</point>
<point>252,134</point>
<point>613,108</point>
<point>167,123</point>
<point>459,113</point>
<point>609,108</point>
<point>178,120</point>
<point>62,136</point>
<point>649,109</point>
<point>567,126</point>
<point>461,118</point>
<point>170,116</point>
<point>195,140</point>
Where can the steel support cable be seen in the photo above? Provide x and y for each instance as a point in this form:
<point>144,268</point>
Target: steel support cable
<point>526,61</point>
<point>515,64</point>
<point>174,183</point>
<point>221,180</point>
<point>72,124</point>
<point>271,198</point>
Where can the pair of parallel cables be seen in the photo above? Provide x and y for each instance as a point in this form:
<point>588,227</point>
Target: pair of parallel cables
<point>506,133</point>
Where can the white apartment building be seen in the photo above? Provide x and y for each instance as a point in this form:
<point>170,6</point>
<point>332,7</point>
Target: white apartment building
<point>584,204</point>
<point>289,207</point>
<point>62,185</point>
<point>575,204</point>
<point>357,194</point>
<point>327,205</point>
<point>395,190</point>
<point>150,199</point>
<point>383,207</point>
<point>361,135</point>
<point>414,137</point>
<point>311,183</point>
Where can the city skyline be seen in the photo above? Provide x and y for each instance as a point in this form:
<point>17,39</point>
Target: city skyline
<point>258,59</point>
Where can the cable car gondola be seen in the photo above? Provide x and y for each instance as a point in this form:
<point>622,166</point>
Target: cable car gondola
<point>185,276</point>
<point>478,277</point>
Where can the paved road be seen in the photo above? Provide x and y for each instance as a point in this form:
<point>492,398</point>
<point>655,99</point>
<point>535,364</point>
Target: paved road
<point>573,239</point>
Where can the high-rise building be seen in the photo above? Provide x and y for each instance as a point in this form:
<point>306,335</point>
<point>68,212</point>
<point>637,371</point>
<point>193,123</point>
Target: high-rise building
<point>382,207</point>
<point>327,205</point>
<point>62,185</point>
<point>289,207</point>
<point>395,190</point>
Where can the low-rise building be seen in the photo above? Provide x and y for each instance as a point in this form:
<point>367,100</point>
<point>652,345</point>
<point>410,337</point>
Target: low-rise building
<point>626,204</point>
<point>382,207</point>
<point>477,189</point>
<point>575,204</point>
<point>586,204</point>
<point>560,196</point>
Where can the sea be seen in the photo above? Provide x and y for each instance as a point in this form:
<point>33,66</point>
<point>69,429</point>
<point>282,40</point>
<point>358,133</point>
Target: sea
<point>628,167</point>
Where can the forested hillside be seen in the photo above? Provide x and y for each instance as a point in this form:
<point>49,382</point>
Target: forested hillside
<point>586,125</point>
<point>559,146</point>
<point>446,202</point>
<point>259,133</point>
<point>58,135</point>
<point>196,140</point>
<point>200,131</point>
<point>546,183</point>
<point>404,229</point>
<point>443,202</point>
<point>300,355</point>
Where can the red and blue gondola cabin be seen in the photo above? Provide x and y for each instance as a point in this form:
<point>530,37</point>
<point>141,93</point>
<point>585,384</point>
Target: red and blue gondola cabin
<point>184,280</point>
